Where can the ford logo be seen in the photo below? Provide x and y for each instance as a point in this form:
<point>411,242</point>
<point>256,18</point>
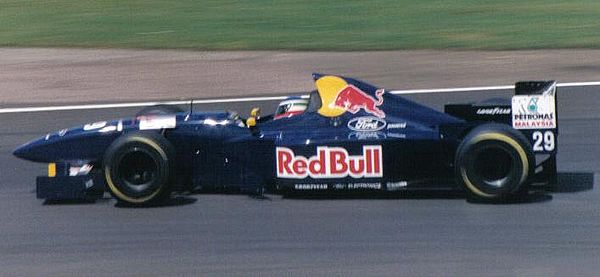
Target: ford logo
<point>366,123</point>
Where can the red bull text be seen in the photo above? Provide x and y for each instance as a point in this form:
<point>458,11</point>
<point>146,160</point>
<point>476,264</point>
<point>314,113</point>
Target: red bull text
<point>330,162</point>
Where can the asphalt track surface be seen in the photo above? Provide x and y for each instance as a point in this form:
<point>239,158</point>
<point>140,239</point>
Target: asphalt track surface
<point>236,235</point>
<point>41,75</point>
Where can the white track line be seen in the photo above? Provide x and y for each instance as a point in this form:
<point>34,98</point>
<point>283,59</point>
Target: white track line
<point>138,104</point>
<point>252,99</point>
<point>417,91</point>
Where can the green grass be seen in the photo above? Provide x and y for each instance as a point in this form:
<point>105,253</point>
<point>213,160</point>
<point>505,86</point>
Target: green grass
<point>302,25</point>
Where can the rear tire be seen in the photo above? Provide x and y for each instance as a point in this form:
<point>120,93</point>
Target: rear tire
<point>494,162</point>
<point>139,168</point>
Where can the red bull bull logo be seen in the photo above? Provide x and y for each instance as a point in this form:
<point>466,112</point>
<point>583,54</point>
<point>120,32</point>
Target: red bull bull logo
<point>352,99</point>
<point>339,97</point>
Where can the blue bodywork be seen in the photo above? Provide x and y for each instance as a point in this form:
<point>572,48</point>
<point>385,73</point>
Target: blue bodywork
<point>217,150</point>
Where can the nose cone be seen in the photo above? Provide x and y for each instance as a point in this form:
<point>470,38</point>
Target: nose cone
<point>76,144</point>
<point>30,151</point>
<point>21,152</point>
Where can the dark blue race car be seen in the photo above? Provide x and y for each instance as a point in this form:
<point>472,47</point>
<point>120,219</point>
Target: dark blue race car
<point>352,136</point>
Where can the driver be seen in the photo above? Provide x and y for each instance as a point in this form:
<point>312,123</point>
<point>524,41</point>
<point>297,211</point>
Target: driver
<point>291,106</point>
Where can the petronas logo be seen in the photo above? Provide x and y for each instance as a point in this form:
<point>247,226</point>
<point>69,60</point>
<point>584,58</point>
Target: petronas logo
<point>533,105</point>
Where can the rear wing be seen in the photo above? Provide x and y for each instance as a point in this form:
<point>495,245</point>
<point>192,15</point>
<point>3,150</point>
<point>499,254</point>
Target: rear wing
<point>536,87</point>
<point>534,113</point>
<point>531,110</point>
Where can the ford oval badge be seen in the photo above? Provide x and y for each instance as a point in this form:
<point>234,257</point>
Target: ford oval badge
<point>366,123</point>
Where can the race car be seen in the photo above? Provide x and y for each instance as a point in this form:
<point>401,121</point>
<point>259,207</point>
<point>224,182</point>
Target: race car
<point>352,136</point>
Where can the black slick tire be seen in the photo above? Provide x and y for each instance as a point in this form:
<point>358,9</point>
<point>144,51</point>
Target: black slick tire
<point>494,163</point>
<point>139,168</point>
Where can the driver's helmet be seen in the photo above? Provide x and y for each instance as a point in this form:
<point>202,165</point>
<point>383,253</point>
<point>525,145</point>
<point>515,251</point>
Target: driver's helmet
<point>291,106</point>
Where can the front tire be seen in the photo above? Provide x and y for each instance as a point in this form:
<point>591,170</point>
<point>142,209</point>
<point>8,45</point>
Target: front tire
<point>139,168</point>
<point>494,162</point>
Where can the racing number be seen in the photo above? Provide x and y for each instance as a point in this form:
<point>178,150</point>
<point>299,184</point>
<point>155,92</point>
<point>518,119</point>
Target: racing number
<point>543,141</point>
